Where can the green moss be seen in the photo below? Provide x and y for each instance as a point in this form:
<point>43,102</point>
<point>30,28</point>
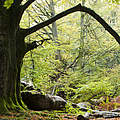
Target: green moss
<point>15,107</point>
<point>7,106</point>
<point>3,108</point>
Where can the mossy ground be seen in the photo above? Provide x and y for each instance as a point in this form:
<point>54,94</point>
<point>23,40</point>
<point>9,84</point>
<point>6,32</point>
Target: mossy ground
<point>43,115</point>
<point>38,115</point>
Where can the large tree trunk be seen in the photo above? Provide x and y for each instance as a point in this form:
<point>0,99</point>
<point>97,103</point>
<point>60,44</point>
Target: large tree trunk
<point>8,70</point>
<point>10,63</point>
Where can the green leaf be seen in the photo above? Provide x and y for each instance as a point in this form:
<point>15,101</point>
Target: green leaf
<point>116,1</point>
<point>8,3</point>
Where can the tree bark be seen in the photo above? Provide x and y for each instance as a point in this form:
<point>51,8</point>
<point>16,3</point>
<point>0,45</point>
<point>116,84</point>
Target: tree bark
<point>7,58</point>
<point>10,61</point>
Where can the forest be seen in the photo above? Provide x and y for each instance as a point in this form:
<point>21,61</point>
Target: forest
<point>59,59</point>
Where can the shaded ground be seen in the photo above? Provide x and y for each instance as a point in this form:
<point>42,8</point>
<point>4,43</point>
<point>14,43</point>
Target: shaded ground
<point>35,115</point>
<point>107,119</point>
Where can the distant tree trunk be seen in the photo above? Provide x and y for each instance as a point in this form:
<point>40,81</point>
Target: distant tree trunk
<point>54,30</point>
<point>82,39</point>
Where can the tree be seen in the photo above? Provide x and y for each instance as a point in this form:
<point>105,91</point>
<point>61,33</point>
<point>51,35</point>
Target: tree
<point>13,46</point>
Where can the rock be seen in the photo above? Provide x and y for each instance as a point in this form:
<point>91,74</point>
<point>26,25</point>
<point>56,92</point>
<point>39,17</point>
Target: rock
<point>58,102</point>
<point>87,114</point>
<point>80,117</point>
<point>104,114</point>
<point>84,106</point>
<point>29,87</point>
<point>116,110</point>
<point>98,114</point>
<point>74,105</point>
<point>26,86</point>
<point>37,101</point>
<point>96,101</point>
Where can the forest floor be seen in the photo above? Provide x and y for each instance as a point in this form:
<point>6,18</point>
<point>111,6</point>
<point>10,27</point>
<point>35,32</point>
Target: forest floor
<point>44,115</point>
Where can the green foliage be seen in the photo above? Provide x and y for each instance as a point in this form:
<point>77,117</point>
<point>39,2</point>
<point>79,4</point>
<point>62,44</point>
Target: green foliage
<point>8,3</point>
<point>93,90</point>
<point>95,73</point>
<point>71,110</point>
<point>116,1</point>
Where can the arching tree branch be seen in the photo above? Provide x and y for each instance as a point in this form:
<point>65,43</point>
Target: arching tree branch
<point>71,10</point>
<point>101,21</point>
<point>27,4</point>
<point>51,20</point>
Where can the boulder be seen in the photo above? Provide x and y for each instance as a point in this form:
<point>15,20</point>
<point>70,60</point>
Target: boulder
<point>84,106</point>
<point>26,86</point>
<point>98,114</point>
<point>38,101</point>
<point>104,114</point>
<point>80,117</point>
<point>29,87</point>
<point>58,102</point>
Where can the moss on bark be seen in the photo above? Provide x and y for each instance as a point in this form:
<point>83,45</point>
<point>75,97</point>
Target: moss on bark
<point>3,107</point>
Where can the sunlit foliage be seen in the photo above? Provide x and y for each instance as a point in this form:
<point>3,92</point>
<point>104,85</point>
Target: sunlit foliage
<point>95,72</point>
<point>8,3</point>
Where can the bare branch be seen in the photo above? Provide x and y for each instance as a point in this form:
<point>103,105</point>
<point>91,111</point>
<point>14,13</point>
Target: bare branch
<point>47,22</point>
<point>44,14</point>
<point>34,44</point>
<point>43,9</point>
<point>69,11</point>
<point>101,21</point>
<point>42,28</point>
<point>75,60</point>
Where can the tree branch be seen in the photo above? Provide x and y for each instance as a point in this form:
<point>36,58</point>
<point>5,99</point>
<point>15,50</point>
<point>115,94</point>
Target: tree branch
<point>51,20</point>
<point>27,4</point>
<point>101,21</point>
<point>71,65</point>
<point>34,44</point>
<point>18,2</point>
<point>42,28</point>
<point>71,10</point>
